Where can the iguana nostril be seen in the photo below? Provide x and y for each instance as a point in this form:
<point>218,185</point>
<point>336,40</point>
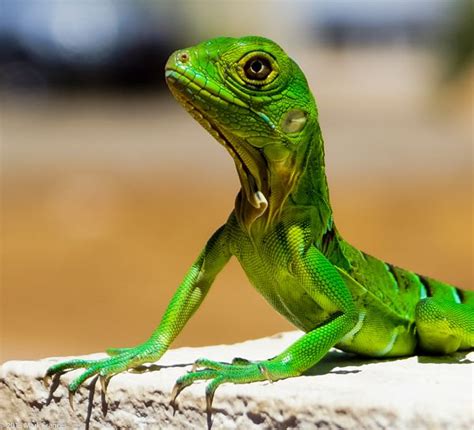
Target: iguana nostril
<point>183,57</point>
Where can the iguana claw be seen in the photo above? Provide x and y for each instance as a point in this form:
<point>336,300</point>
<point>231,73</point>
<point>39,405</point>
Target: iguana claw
<point>210,391</point>
<point>71,399</point>
<point>175,393</point>
<point>46,380</point>
<point>104,383</point>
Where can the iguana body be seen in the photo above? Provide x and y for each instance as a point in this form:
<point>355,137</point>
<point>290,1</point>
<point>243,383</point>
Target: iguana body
<point>255,101</point>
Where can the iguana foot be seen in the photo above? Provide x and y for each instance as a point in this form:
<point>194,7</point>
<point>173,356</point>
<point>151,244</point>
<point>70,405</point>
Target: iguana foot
<point>240,371</point>
<point>120,359</point>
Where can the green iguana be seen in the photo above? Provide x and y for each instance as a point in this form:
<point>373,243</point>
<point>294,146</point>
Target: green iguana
<point>255,101</point>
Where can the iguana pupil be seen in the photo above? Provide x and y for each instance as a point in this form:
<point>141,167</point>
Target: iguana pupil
<point>257,68</point>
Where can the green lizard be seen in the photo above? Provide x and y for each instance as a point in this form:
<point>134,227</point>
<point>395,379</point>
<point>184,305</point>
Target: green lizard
<point>255,101</point>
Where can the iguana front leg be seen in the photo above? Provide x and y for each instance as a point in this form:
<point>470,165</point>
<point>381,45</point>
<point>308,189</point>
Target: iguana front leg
<point>321,282</point>
<point>184,303</point>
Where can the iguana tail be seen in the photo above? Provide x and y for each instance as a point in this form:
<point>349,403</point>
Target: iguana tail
<point>445,318</point>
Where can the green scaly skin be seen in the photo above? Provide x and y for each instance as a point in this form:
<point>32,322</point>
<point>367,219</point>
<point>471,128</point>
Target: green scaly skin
<point>256,102</point>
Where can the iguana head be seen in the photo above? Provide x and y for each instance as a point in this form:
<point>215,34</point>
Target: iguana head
<point>255,101</point>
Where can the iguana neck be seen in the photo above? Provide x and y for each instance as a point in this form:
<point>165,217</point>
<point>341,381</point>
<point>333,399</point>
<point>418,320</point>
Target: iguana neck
<point>312,188</point>
<point>298,181</point>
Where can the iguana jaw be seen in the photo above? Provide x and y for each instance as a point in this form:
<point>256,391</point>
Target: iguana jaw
<point>250,163</point>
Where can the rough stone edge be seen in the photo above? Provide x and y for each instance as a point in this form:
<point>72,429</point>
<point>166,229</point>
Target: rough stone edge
<point>141,404</point>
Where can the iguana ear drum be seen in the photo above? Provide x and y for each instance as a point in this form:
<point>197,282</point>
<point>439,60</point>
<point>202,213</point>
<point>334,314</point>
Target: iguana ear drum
<point>293,121</point>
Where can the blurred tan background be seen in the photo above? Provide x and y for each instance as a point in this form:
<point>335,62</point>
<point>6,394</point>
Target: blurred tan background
<point>109,189</point>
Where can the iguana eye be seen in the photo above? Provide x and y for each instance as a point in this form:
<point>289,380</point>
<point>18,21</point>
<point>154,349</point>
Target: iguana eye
<point>257,68</point>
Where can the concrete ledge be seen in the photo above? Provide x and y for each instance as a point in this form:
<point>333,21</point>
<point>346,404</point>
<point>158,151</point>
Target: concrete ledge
<point>342,392</point>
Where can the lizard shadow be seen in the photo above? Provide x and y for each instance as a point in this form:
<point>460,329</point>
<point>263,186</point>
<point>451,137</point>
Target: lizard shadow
<point>145,368</point>
<point>459,357</point>
<point>339,359</point>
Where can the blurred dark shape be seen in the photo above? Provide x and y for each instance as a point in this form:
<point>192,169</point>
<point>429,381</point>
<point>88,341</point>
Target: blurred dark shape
<point>458,40</point>
<point>343,23</point>
<point>85,44</point>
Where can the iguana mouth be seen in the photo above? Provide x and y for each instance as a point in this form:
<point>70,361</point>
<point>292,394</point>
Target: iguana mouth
<point>253,184</point>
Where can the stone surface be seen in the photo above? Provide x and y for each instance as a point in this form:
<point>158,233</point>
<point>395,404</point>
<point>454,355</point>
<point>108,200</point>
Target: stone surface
<point>342,392</point>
